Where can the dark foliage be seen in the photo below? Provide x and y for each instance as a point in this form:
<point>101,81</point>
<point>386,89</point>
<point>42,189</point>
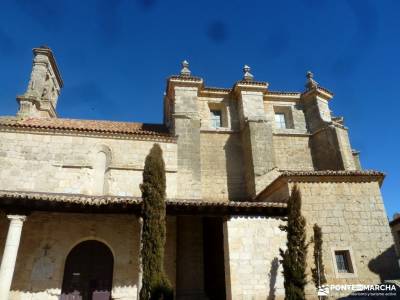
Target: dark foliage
<point>155,285</point>
<point>318,273</point>
<point>294,257</point>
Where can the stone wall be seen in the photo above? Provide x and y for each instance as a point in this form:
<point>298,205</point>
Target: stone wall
<point>69,164</point>
<point>294,113</point>
<point>252,247</point>
<point>222,171</point>
<point>352,217</point>
<point>256,132</point>
<point>186,125</point>
<point>292,152</point>
<point>345,148</point>
<point>259,154</point>
<point>317,112</point>
<point>228,107</point>
<point>325,150</point>
<point>47,239</point>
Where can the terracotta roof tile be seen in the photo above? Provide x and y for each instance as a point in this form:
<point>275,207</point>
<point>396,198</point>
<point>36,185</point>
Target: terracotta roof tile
<point>358,175</point>
<point>216,89</point>
<point>87,200</point>
<point>320,88</point>
<point>283,93</point>
<point>186,78</point>
<point>87,126</point>
<point>332,173</point>
<point>322,176</point>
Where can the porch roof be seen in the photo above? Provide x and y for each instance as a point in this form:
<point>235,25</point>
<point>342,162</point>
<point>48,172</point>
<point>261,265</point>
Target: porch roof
<point>286,176</point>
<point>39,201</point>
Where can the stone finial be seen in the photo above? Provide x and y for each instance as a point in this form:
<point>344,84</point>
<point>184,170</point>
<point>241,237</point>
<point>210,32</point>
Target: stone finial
<point>185,68</point>
<point>246,73</point>
<point>311,83</point>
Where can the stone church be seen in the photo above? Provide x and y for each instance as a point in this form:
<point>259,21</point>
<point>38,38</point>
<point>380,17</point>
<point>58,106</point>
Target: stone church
<point>70,201</point>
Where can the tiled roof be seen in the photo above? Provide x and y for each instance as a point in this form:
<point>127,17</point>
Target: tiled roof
<point>37,200</point>
<point>87,126</point>
<point>216,89</point>
<point>321,176</point>
<point>186,78</point>
<point>325,90</point>
<point>332,173</point>
<point>106,200</point>
<point>231,204</point>
<point>252,82</point>
<point>283,93</point>
<point>358,175</point>
<point>319,88</point>
<point>70,198</point>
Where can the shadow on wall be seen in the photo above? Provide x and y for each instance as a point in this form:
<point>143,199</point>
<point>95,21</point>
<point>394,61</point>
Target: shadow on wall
<point>235,168</point>
<point>324,145</point>
<point>81,272</point>
<point>385,265</point>
<point>273,273</point>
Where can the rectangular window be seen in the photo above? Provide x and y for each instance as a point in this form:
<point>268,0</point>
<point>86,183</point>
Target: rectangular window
<point>343,261</point>
<point>216,118</point>
<point>280,120</point>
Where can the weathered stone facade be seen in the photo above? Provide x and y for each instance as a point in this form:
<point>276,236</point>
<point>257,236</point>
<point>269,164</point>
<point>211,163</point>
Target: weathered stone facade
<point>231,156</point>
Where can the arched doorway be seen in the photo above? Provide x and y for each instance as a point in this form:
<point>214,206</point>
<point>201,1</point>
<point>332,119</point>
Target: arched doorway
<point>88,272</point>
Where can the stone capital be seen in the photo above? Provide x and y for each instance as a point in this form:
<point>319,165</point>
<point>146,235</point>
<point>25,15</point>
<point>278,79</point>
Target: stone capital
<point>20,218</point>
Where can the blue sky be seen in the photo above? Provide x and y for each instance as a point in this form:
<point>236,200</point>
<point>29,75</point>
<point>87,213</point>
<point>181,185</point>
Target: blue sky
<point>115,56</point>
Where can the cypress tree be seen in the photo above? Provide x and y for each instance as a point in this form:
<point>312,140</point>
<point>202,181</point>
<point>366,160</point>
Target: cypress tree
<point>318,273</point>
<point>294,257</point>
<point>155,284</point>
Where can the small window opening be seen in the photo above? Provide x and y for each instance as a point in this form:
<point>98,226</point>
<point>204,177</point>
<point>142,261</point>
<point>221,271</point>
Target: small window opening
<point>343,261</point>
<point>280,120</point>
<point>216,117</point>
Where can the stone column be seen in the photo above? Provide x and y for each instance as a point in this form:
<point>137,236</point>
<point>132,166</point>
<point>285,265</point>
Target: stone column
<point>140,276</point>
<point>10,254</point>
